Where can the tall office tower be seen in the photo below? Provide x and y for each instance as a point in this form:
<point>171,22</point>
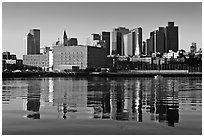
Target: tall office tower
<point>193,48</point>
<point>33,42</point>
<point>171,37</point>
<point>159,40</point>
<point>137,41</point>
<point>105,36</point>
<point>72,42</point>
<point>144,48</point>
<point>151,43</point>
<point>128,51</point>
<point>117,40</point>
<point>148,47</point>
<point>65,39</point>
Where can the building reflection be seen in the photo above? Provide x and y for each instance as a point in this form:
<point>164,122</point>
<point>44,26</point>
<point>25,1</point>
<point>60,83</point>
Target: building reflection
<point>166,98</point>
<point>33,99</point>
<point>70,97</point>
<point>118,99</point>
<point>140,102</point>
<point>126,100</point>
<point>99,97</point>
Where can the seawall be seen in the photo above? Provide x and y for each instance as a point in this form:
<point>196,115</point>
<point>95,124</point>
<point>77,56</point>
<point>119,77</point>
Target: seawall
<point>102,74</point>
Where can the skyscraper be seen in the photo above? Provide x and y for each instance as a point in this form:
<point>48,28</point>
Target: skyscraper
<point>133,42</point>
<point>137,41</point>
<point>148,46</point>
<point>160,40</point>
<point>151,43</point>
<point>117,40</point>
<point>171,37</point>
<point>33,42</point>
<point>144,48</point>
<point>128,48</point>
<point>105,36</point>
<point>163,40</point>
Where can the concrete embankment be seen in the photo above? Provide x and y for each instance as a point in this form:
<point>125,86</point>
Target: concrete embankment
<point>41,74</point>
<point>136,73</point>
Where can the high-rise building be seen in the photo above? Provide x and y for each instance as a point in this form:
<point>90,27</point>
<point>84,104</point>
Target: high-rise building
<point>33,42</point>
<point>148,46</point>
<point>137,41</point>
<point>128,48</point>
<point>117,40</point>
<point>171,37</point>
<point>133,42</point>
<point>105,36</point>
<point>160,40</point>
<point>163,39</point>
<point>151,43</point>
<point>144,48</point>
<point>72,42</point>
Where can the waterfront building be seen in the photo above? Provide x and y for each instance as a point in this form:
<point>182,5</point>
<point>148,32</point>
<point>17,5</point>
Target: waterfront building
<point>117,40</point>
<point>193,48</point>
<point>143,59</point>
<point>10,61</point>
<point>80,57</point>
<point>8,56</point>
<point>38,60</point>
<point>33,42</point>
<point>171,54</point>
<point>44,60</point>
<point>50,60</point>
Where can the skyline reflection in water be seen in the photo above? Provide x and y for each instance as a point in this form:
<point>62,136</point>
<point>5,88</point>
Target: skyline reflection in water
<point>129,99</point>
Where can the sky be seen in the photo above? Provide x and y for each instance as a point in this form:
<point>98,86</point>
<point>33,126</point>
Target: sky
<point>82,19</point>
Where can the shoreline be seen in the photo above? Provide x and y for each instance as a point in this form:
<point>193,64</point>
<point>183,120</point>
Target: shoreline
<point>100,74</point>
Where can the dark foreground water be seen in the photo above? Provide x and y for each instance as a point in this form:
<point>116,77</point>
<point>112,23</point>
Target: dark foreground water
<point>102,105</point>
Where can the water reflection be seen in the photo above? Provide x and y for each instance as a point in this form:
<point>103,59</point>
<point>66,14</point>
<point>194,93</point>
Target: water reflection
<point>109,98</point>
<point>33,99</point>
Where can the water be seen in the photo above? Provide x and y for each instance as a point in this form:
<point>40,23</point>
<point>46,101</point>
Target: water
<point>174,102</point>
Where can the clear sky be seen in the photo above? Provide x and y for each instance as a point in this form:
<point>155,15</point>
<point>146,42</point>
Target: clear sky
<point>82,19</point>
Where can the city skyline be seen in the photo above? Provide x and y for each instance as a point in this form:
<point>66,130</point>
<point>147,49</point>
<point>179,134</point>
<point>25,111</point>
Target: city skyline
<point>53,18</point>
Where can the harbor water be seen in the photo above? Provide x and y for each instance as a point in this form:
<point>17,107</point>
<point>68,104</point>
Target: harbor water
<point>95,105</point>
